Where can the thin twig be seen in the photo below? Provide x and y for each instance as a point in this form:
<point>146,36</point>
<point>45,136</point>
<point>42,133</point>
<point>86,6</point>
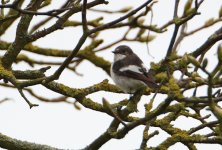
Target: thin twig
<point>84,19</point>
<point>28,102</point>
<point>110,109</point>
<point>84,37</point>
<point>175,32</point>
<point>105,26</point>
<point>4,100</point>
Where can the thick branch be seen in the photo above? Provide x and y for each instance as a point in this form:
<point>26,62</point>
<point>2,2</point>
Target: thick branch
<point>217,36</point>
<point>20,40</point>
<point>10,143</point>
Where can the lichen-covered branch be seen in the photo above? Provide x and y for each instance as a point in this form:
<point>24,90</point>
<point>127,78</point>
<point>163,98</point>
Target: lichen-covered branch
<point>193,66</point>
<point>11,143</point>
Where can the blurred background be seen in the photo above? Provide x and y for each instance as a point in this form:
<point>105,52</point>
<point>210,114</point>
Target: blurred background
<point>61,125</point>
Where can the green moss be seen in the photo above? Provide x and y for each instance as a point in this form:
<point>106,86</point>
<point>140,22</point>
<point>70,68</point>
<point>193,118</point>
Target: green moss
<point>88,103</point>
<point>173,84</point>
<point>4,45</point>
<point>63,89</point>
<point>163,66</point>
<point>182,63</point>
<point>78,94</point>
<point>162,77</point>
<point>148,106</point>
<point>176,20</point>
<point>88,54</point>
<point>132,106</point>
<point>155,66</point>
<point>174,89</point>
<point>175,107</point>
<point>47,52</point>
<point>162,122</point>
<point>164,89</point>
<point>5,73</point>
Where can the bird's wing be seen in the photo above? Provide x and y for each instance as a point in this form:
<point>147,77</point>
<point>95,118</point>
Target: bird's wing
<point>149,74</point>
<point>139,73</point>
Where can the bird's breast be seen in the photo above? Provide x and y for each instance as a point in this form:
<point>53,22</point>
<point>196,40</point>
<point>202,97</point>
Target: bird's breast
<point>128,85</point>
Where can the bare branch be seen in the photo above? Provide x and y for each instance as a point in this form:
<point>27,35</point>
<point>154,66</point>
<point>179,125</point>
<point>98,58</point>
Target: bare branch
<point>11,143</point>
<point>84,19</point>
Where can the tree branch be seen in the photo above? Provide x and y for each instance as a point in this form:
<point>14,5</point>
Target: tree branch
<point>10,143</point>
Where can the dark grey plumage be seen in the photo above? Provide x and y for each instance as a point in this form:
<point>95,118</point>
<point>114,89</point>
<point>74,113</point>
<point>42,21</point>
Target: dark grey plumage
<point>129,72</point>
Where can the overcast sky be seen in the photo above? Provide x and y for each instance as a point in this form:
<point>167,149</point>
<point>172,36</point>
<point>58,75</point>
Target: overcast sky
<point>61,125</point>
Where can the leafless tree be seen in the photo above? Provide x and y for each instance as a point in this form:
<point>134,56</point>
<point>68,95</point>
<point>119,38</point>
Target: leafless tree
<point>193,68</point>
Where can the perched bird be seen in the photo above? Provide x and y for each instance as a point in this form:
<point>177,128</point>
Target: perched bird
<point>129,72</point>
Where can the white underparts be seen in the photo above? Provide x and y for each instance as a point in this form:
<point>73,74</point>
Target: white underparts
<point>128,85</point>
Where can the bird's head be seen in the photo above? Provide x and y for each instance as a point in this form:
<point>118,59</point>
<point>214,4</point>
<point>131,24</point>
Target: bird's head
<point>121,52</point>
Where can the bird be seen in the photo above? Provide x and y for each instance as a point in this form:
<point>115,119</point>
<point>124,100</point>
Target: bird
<point>129,72</point>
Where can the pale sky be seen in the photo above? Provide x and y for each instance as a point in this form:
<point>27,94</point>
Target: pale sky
<point>61,125</point>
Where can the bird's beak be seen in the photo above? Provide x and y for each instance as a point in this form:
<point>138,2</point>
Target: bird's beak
<point>114,52</point>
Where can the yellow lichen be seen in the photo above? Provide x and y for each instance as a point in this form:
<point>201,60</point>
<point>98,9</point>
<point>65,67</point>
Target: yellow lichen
<point>161,77</point>
<point>5,73</point>
<point>174,89</point>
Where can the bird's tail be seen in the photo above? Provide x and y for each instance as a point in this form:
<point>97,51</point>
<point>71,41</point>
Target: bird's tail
<point>153,85</point>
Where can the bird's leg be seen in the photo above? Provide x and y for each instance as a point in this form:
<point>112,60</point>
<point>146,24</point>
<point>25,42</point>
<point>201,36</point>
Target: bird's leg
<point>118,109</point>
<point>131,97</point>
